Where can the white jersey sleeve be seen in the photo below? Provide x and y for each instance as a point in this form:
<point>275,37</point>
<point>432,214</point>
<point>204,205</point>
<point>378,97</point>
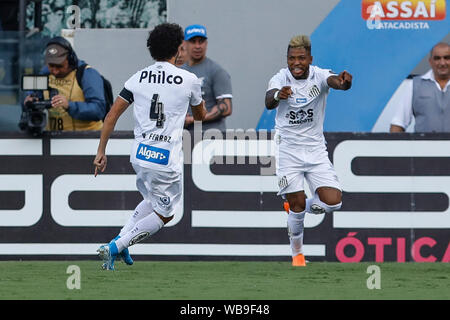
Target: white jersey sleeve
<point>323,75</point>
<point>196,95</point>
<point>128,83</point>
<point>277,81</point>
<point>403,113</point>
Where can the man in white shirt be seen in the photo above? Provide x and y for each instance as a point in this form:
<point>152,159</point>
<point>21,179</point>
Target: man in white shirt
<point>427,98</point>
<point>161,94</point>
<point>299,93</point>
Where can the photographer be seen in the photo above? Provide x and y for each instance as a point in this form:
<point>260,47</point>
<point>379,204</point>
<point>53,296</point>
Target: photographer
<point>74,104</point>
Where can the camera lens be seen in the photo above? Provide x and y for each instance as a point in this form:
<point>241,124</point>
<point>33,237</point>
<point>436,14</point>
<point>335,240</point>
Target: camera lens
<point>37,119</point>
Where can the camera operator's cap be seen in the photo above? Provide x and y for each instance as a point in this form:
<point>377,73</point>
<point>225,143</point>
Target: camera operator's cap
<point>195,30</point>
<point>56,54</point>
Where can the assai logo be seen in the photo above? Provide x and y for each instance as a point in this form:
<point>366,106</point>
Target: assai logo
<point>152,154</point>
<point>402,14</point>
<point>404,10</point>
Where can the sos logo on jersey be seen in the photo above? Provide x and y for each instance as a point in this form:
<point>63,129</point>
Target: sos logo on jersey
<point>300,117</point>
<point>153,154</point>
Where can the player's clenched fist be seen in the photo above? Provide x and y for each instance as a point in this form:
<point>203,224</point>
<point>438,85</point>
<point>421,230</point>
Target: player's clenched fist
<point>345,78</point>
<point>284,92</point>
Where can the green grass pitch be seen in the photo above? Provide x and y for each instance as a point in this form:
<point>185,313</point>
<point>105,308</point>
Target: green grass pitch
<point>222,280</point>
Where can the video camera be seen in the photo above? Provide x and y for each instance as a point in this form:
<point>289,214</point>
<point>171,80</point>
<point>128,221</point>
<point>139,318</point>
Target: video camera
<point>34,115</point>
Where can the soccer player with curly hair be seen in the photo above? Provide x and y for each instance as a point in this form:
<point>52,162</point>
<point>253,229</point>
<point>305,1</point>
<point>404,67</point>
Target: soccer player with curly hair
<point>161,94</point>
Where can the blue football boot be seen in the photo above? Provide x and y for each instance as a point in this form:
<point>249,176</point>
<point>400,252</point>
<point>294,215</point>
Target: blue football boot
<point>125,254</point>
<point>108,253</point>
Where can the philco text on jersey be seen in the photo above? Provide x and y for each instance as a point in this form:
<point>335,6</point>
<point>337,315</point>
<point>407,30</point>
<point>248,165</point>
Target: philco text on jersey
<point>160,77</point>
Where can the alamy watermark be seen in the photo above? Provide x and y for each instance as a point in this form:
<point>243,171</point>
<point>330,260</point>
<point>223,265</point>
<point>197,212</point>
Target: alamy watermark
<point>234,146</point>
<point>74,20</point>
<point>374,280</point>
<point>74,280</point>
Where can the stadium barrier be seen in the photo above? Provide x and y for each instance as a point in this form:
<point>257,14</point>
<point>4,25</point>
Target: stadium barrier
<point>396,191</point>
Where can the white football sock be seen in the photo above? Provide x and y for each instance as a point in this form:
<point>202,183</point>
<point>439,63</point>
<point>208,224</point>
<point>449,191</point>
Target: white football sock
<point>144,228</point>
<point>143,209</point>
<point>309,201</point>
<point>295,231</point>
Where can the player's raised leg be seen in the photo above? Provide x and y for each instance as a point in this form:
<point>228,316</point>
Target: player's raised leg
<point>325,200</point>
<point>143,209</point>
<point>143,229</point>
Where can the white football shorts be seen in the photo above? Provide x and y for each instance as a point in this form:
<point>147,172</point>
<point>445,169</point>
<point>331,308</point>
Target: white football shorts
<point>162,189</point>
<point>295,164</point>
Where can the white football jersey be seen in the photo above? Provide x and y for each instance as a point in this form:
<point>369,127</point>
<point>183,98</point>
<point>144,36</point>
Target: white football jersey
<point>299,119</point>
<point>161,94</point>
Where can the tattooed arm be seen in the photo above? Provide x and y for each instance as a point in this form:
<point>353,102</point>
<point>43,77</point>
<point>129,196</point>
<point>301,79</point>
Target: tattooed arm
<point>223,108</point>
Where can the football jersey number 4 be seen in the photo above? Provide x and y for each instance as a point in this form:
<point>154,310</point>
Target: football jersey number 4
<point>157,111</point>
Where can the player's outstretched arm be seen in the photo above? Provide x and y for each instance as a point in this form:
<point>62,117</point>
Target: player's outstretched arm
<point>274,96</point>
<point>199,111</point>
<point>343,81</point>
<point>119,106</point>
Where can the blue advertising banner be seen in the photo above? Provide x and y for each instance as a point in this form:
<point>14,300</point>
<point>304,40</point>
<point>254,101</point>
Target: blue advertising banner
<point>379,43</point>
